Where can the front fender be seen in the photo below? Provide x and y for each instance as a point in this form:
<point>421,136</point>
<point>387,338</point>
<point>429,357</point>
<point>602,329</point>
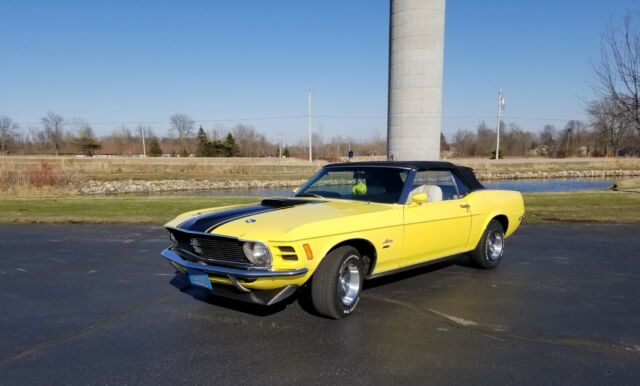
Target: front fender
<point>386,244</point>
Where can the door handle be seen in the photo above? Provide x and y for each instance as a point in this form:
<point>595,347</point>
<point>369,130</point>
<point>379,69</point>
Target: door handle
<point>466,206</point>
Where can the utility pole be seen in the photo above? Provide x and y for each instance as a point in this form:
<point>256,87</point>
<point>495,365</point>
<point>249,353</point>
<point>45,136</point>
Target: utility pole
<point>144,147</point>
<point>500,109</point>
<point>309,123</point>
<point>279,145</point>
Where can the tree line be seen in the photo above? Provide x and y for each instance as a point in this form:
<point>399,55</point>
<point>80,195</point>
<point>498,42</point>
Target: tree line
<point>575,139</point>
<point>56,136</point>
<point>603,135</point>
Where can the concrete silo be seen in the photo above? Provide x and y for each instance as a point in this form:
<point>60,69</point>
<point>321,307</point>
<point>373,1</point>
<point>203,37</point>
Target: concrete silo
<point>416,54</point>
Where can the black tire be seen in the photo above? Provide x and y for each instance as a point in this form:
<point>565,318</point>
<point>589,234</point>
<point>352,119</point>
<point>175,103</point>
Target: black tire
<point>485,256</point>
<point>327,296</point>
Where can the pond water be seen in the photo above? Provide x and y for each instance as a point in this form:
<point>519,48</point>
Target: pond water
<point>553,185</point>
<point>550,185</point>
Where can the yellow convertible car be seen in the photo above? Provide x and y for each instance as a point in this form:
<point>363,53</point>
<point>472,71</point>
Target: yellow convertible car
<point>349,222</point>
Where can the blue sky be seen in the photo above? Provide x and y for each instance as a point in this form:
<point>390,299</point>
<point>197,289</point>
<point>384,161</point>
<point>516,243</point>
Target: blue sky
<point>219,61</point>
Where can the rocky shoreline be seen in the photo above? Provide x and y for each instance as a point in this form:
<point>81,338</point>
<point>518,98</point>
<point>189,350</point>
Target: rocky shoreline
<point>94,187</point>
<point>560,174</point>
<point>136,186</point>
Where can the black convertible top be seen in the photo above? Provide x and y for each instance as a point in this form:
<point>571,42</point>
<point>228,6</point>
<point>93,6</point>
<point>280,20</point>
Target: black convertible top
<point>465,173</point>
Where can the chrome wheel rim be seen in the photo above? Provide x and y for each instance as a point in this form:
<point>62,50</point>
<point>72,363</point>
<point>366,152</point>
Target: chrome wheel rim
<point>349,284</point>
<point>495,245</point>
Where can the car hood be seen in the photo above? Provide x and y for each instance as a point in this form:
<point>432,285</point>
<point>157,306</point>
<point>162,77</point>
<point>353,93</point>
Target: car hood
<point>290,219</point>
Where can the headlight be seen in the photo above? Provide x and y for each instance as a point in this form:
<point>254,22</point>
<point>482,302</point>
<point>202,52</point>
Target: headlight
<point>257,253</point>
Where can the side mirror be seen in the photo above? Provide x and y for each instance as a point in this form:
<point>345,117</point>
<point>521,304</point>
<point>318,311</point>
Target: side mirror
<point>419,198</point>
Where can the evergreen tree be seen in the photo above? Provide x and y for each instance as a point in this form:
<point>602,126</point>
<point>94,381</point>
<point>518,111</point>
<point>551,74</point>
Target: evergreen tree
<point>86,142</point>
<point>218,149</point>
<point>286,153</point>
<point>204,147</point>
<point>154,148</point>
<point>230,146</point>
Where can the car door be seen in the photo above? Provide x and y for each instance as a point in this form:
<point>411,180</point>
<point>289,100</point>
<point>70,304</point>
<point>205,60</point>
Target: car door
<point>438,227</point>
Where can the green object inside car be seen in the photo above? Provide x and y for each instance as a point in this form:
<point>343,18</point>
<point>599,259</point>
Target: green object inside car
<point>359,188</point>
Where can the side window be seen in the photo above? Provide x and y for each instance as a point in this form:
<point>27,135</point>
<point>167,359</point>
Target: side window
<point>463,188</point>
<point>438,184</point>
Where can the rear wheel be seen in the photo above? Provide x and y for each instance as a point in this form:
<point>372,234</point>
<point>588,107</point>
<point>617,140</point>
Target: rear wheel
<point>488,252</point>
<point>337,283</point>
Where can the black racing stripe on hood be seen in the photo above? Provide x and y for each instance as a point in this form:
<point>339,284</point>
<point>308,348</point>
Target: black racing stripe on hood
<point>208,221</point>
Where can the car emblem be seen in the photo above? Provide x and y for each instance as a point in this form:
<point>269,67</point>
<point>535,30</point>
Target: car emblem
<point>195,244</point>
<point>250,221</point>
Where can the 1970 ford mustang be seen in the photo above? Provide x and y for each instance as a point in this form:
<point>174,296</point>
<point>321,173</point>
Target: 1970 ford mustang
<point>349,222</point>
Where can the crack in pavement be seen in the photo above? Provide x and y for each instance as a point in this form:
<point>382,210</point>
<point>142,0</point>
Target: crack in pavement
<point>103,323</point>
<point>472,326</point>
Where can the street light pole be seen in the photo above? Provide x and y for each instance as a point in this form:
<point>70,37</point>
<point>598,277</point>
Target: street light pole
<point>500,108</point>
<point>309,123</point>
<point>144,147</point>
<point>279,145</point>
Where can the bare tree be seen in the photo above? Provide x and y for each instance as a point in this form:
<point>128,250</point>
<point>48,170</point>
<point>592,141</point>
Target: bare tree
<point>54,128</point>
<point>485,140</point>
<point>245,137</point>
<point>548,137</point>
<point>516,141</point>
<point>182,124</point>
<point>8,129</point>
<point>38,138</point>
<point>617,70</point>
<point>612,123</point>
<point>464,143</point>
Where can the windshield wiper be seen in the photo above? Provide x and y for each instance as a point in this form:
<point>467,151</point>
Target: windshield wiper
<point>309,195</point>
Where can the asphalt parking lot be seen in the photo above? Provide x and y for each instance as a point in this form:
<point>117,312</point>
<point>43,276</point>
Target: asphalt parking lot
<point>95,304</point>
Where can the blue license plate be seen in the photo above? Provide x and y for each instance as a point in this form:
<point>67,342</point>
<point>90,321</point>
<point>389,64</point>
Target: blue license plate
<point>198,278</point>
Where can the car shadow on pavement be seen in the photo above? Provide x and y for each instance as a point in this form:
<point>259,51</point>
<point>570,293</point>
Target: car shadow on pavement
<point>181,282</point>
<point>303,296</point>
<point>460,260</point>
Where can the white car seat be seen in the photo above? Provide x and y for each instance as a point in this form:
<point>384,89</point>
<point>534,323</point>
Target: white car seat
<point>434,193</point>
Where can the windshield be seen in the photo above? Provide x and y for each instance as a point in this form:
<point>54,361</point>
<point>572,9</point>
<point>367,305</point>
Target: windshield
<point>375,184</point>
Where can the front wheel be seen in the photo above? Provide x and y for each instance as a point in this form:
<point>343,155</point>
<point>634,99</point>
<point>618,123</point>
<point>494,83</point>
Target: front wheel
<point>337,283</point>
<point>488,252</point>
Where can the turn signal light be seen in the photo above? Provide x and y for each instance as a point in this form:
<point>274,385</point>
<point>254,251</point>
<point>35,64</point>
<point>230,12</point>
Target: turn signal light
<point>307,251</point>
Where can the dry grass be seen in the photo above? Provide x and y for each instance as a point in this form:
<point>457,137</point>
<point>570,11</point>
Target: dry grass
<point>41,176</point>
<point>122,168</point>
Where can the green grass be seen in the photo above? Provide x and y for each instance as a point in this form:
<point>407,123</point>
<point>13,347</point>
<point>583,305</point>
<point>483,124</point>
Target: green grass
<point>605,207</point>
<point>628,184</point>
<point>602,207</point>
<point>107,209</point>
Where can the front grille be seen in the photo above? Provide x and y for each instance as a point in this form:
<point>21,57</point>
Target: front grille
<point>211,249</point>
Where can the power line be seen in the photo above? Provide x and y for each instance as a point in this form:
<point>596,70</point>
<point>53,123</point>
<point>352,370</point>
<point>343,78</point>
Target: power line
<point>195,121</point>
<point>286,117</point>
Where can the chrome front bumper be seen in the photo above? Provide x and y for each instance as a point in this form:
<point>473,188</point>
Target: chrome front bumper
<point>174,259</point>
<point>240,293</point>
